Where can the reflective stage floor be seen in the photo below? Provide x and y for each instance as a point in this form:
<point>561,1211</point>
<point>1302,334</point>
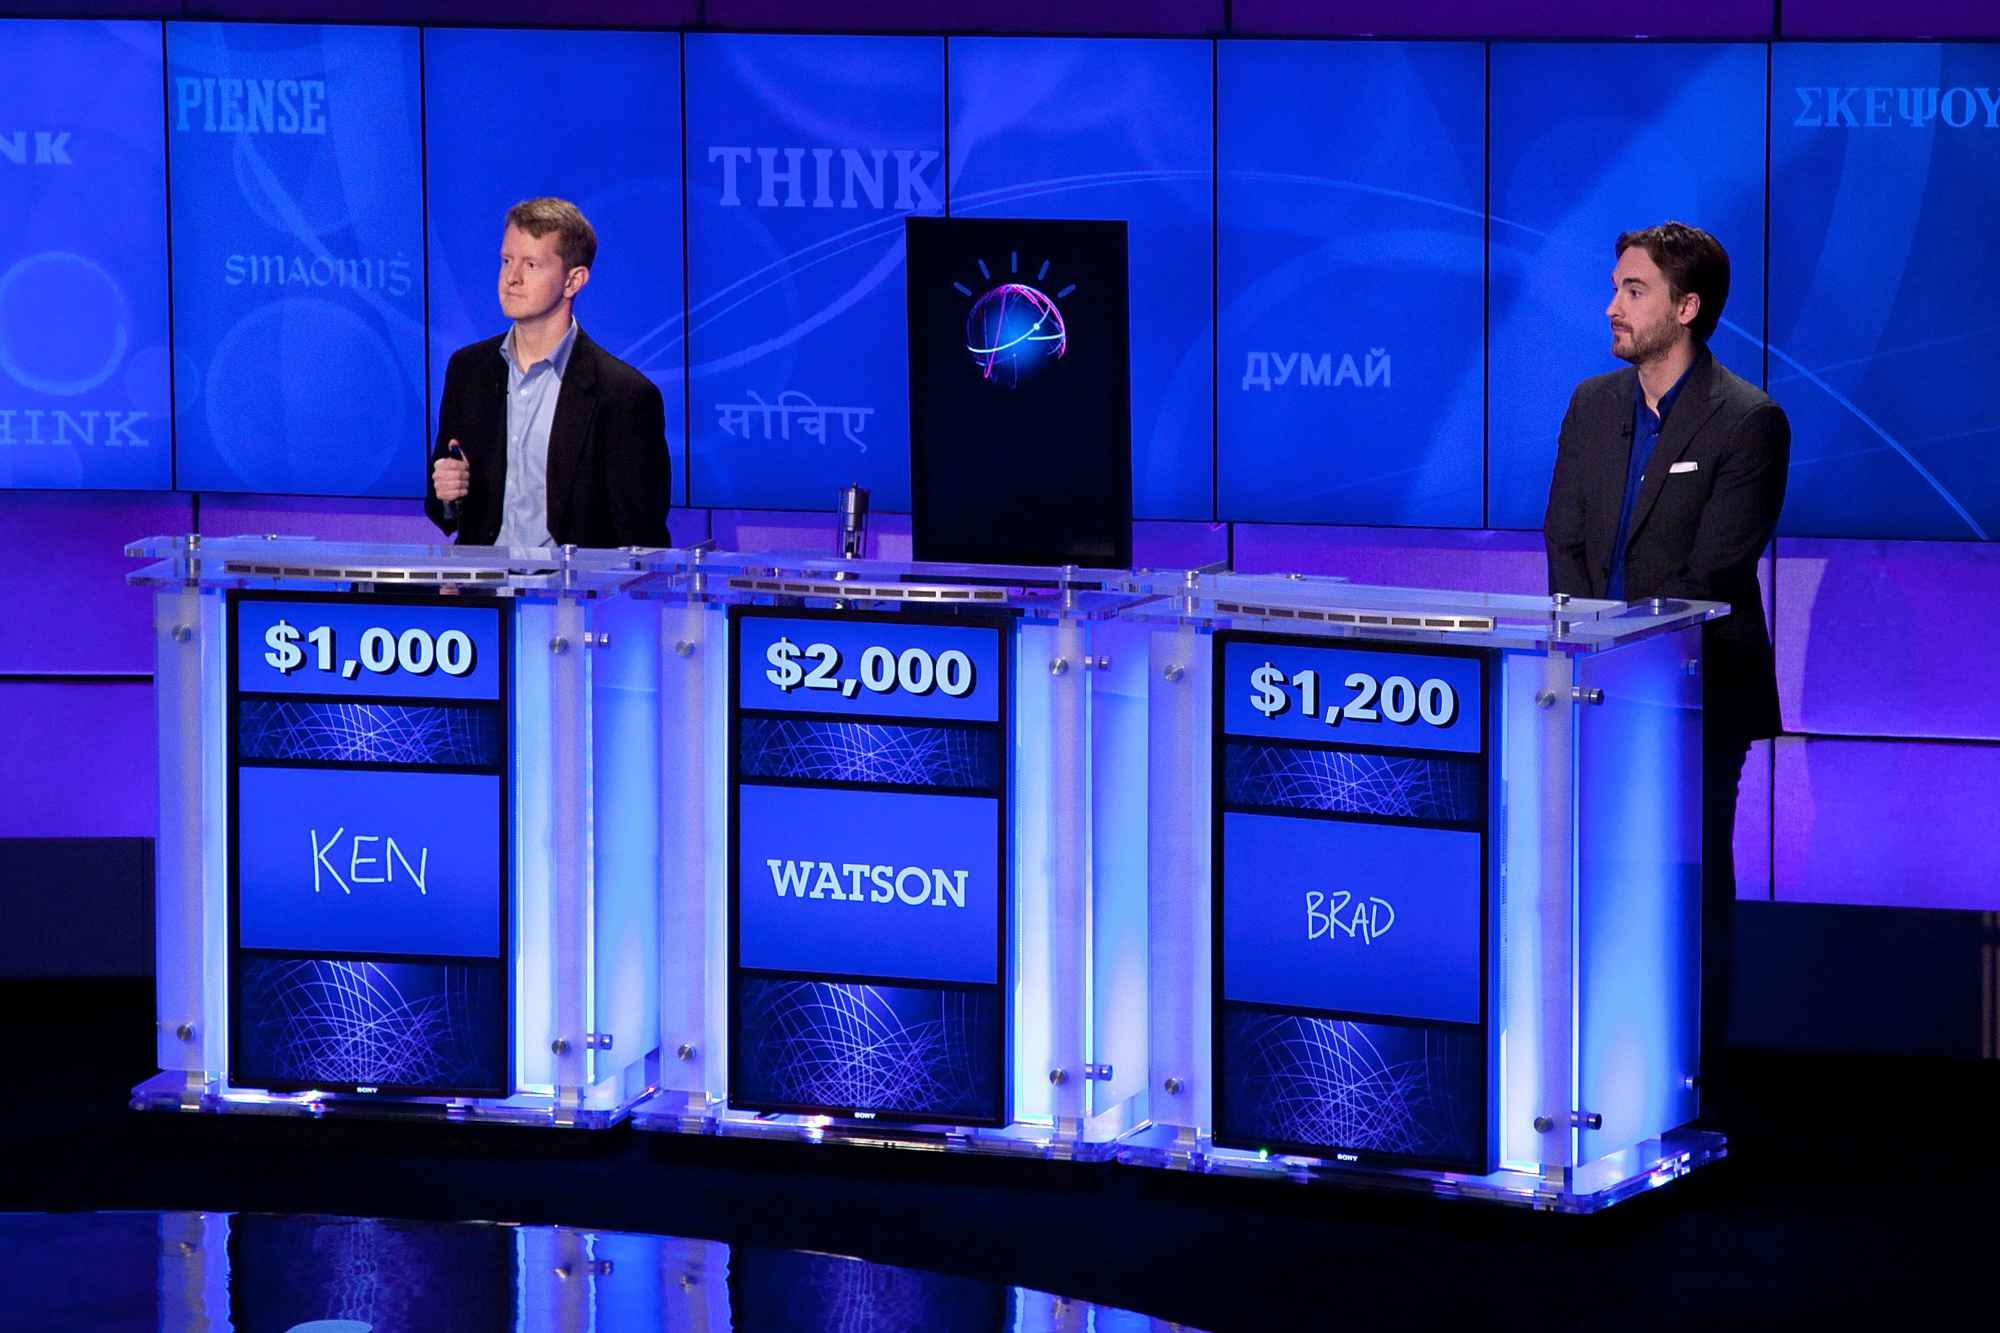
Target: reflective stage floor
<point>251,1272</point>
<point>1855,1190</point>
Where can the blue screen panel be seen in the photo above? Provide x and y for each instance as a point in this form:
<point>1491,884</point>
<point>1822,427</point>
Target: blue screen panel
<point>324,731</point>
<point>298,258</point>
<point>1844,809</point>
<point>370,649</point>
<point>1850,615</point>
<point>822,750</point>
<point>1078,128</point>
<point>874,884</point>
<point>614,152</point>
<point>1349,373</point>
<point>370,862</point>
<point>1589,141</point>
<point>84,373</point>
<point>1405,1091</point>
<point>1880,301</point>
<point>1443,789</point>
<point>1353,696</point>
<point>904,1049</point>
<point>771,1288</point>
<point>819,665</point>
<point>805,154</point>
<point>1358,918</point>
<point>332,1022</point>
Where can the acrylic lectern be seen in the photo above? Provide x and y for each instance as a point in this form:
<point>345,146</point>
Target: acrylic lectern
<point>1424,889</point>
<point>409,830</point>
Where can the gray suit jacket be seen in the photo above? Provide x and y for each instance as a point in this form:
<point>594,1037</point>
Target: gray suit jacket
<point>1696,530</point>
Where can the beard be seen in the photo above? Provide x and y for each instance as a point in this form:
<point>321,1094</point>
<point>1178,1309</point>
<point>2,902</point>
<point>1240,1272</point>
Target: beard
<point>1647,342</point>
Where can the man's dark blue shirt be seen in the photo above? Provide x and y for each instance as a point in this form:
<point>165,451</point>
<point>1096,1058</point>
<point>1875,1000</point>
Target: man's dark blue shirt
<point>1646,427</point>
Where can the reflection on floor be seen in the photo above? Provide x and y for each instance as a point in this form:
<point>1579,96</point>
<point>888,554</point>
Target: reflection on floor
<point>254,1272</point>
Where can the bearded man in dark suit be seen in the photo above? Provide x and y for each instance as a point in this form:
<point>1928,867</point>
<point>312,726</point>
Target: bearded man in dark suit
<point>544,438</point>
<point>1668,481</point>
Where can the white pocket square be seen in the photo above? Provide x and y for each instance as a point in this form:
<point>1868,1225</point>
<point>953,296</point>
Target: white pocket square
<point>1689,466</point>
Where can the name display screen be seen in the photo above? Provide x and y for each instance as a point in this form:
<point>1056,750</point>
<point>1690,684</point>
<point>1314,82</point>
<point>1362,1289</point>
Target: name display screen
<point>369,903</point>
<point>1351,938</point>
<point>869,875</point>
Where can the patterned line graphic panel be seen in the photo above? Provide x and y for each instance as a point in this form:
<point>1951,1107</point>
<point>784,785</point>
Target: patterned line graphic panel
<point>1436,788</point>
<point>908,1050</point>
<point>325,1021</point>
<point>356,733</point>
<point>792,1289</point>
<point>372,1273</point>
<point>1409,1091</point>
<point>907,756</point>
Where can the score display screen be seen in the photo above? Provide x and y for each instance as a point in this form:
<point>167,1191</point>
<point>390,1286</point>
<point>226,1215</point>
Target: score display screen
<point>369,872</point>
<point>869,889</point>
<point>1351,937</point>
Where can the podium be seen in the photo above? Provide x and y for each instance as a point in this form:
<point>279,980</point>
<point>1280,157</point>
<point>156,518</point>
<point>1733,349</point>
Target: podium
<point>1262,875</point>
<point>1424,889</point>
<point>896,831</point>
<point>409,830</point>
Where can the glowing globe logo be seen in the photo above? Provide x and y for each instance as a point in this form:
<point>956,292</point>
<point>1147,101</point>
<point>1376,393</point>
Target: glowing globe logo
<point>1015,329</point>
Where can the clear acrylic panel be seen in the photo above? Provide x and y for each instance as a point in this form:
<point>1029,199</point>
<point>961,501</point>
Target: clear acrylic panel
<point>1638,896</point>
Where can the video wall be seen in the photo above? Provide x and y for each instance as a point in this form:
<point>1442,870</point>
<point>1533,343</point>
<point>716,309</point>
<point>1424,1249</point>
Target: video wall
<point>1364,275</point>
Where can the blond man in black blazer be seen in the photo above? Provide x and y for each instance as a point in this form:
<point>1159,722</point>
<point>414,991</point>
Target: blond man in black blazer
<point>544,438</point>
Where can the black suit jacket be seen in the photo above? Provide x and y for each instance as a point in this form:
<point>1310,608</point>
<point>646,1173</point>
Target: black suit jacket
<point>1696,532</point>
<point>608,470</point>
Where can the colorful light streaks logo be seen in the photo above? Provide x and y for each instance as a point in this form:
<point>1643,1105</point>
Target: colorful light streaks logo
<point>1014,329</point>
